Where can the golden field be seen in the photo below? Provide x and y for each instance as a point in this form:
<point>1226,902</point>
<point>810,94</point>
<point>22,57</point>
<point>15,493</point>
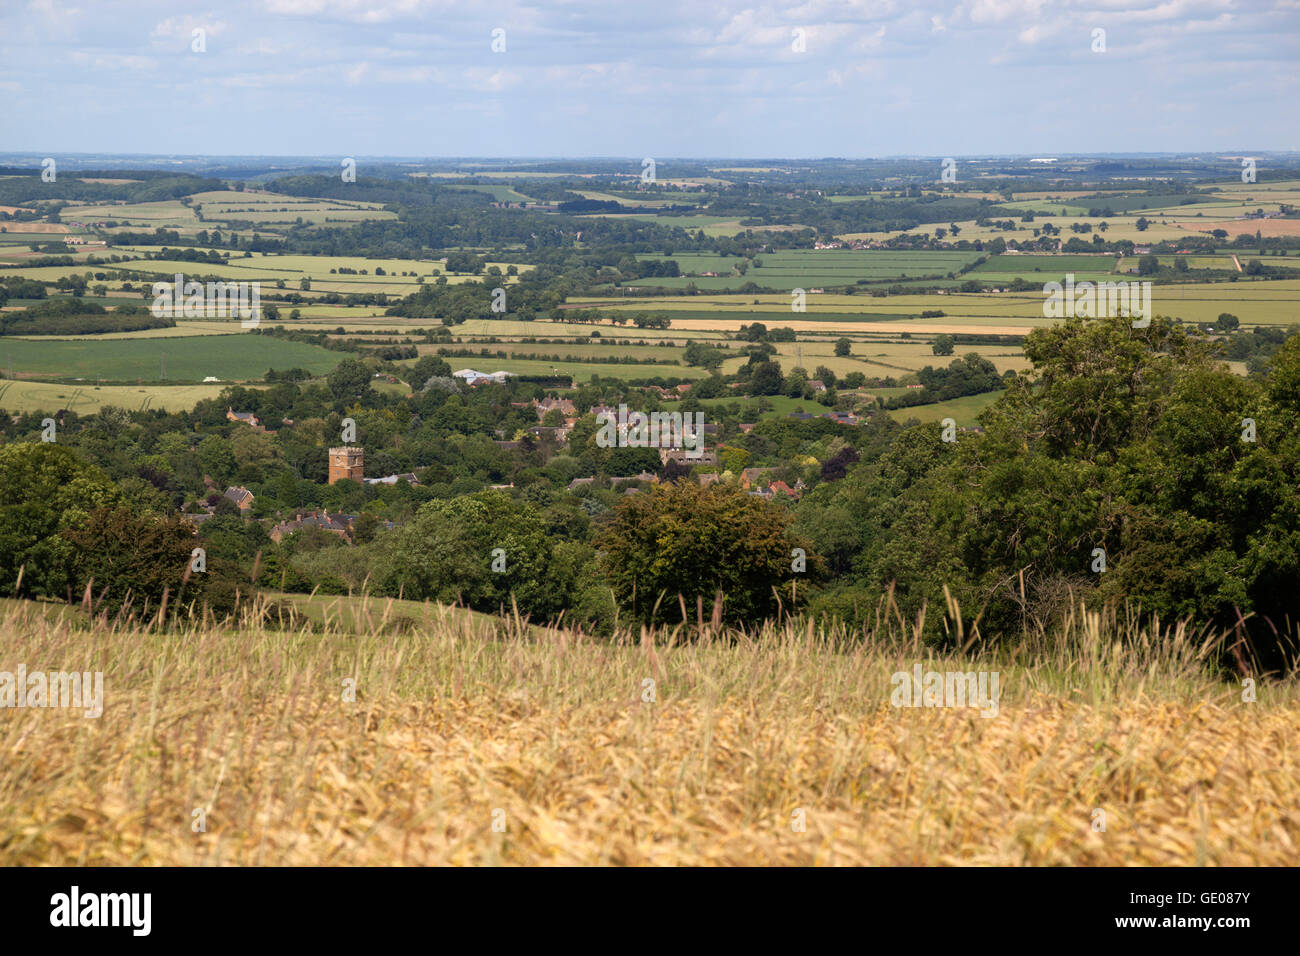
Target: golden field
<point>461,722</point>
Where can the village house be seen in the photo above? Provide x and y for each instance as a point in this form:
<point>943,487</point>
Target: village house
<point>751,476</point>
<point>682,456</point>
<point>565,405</point>
<point>241,497</point>
<point>338,524</point>
<point>248,418</point>
<point>842,418</point>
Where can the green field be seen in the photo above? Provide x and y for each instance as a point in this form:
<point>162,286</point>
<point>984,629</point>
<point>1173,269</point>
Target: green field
<point>498,193</point>
<point>780,406</point>
<point>1030,265</point>
<point>192,358</point>
<point>962,410</point>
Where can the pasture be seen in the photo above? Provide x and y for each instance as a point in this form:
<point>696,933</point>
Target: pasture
<point>964,411</point>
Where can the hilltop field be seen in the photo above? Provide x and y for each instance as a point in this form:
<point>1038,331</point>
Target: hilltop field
<point>468,741</point>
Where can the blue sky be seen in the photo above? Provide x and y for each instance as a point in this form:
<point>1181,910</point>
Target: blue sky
<point>588,78</point>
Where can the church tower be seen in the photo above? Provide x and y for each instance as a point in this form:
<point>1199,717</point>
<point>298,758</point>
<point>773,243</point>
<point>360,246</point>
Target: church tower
<point>347,462</point>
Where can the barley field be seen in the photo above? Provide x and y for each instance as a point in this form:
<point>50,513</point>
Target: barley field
<point>484,741</point>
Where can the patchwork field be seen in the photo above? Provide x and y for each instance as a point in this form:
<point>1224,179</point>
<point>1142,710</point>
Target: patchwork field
<point>218,209</point>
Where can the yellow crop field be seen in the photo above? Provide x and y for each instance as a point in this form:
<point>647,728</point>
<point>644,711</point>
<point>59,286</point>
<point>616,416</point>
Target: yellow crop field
<point>459,723</point>
<point>23,396</point>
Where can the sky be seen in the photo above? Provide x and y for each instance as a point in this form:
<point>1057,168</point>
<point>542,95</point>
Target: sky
<point>631,78</point>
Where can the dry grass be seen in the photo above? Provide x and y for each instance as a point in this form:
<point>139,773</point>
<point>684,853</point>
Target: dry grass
<point>461,717</point>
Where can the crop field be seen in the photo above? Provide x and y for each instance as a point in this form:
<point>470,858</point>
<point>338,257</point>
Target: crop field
<point>809,268</point>
<point>456,718</point>
<point>883,359</point>
<point>1032,266</point>
<point>170,214</point>
<point>87,398</point>
<point>648,354</point>
<point>182,329</point>
<point>1119,227</point>
<point>1048,207</point>
<point>49,273</point>
<point>1254,302</point>
<point>498,193</point>
<point>189,358</point>
<point>549,329</point>
<point>972,324</point>
<point>712,225</point>
<point>1269,228</point>
<point>318,267</point>
<point>268,269</point>
<point>37,231</point>
<point>626,199</point>
<point>220,207</point>
<point>273,208</point>
<point>580,371</point>
<point>779,317</point>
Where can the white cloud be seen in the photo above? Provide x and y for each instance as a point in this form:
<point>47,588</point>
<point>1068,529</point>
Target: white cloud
<point>182,29</point>
<point>359,11</point>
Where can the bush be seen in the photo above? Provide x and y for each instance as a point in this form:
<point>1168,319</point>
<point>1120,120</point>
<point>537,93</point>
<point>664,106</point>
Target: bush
<point>45,489</point>
<point>681,540</point>
<point>133,558</point>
